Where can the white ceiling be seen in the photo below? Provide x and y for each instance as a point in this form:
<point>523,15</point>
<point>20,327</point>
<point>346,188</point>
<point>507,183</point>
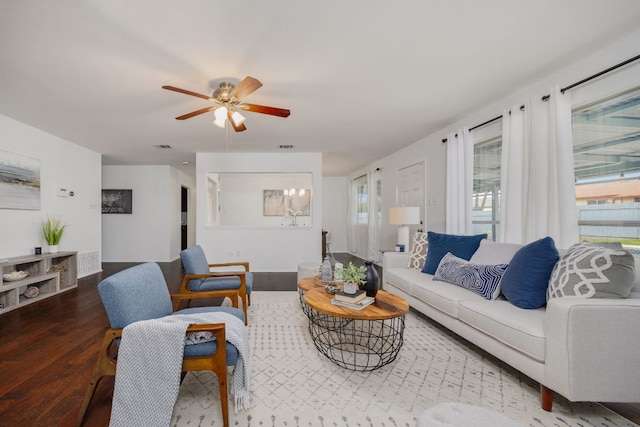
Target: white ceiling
<point>362,78</point>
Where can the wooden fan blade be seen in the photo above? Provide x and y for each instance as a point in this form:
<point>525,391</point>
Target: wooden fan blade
<point>241,127</point>
<point>280,112</point>
<point>187,92</point>
<point>196,113</point>
<point>246,87</point>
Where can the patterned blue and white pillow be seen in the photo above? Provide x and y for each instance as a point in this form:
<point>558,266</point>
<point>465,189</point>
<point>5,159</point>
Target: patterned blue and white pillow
<point>481,279</point>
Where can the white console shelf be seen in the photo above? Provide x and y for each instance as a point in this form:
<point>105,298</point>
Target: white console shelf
<point>51,273</point>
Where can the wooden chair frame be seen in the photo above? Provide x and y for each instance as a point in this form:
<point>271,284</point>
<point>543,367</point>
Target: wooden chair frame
<point>233,294</point>
<point>217,363</point>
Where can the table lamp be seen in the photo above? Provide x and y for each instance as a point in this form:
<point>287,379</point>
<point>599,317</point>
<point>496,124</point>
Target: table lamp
<point>402,216</point>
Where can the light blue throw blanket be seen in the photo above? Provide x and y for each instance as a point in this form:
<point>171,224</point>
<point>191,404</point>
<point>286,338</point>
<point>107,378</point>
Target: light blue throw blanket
<point>150,362</point>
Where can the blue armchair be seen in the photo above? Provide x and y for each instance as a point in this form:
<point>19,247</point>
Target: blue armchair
<point>199,277</point>
<point>141,293</point>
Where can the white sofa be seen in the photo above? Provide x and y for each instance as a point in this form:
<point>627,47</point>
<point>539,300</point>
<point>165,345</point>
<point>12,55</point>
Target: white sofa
<point>582,349</point>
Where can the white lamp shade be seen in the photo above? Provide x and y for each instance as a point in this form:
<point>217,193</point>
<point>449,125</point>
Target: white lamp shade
<point>221,116</point>
<point>404,215</point>
<point>237,118</point>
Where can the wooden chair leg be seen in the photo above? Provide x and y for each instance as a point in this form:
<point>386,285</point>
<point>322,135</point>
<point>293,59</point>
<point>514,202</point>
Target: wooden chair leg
<point>105,366</point>
<point>249,299</point>
<point>546,398</point>
<point>221,373</point>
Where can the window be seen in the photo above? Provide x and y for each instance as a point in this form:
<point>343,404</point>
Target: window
<point>606,149</point>
<point>486,187</point>
<point>362,200</point>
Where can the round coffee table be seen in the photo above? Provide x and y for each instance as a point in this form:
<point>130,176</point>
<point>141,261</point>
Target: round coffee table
<point>361,340</point>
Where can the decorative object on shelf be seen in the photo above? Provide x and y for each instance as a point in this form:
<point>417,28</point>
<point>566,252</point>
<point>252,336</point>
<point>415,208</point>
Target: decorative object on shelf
<point>372,280</point>
<point>353,277</point>
<point>403,216</point>
<point>31,292</point>
<point>38,250</point>
<point>14,275</point>
<point>52,230</point>
<point>61,269</point>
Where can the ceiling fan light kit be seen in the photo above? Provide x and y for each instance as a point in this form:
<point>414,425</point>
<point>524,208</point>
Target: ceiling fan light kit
<point>228,99</point>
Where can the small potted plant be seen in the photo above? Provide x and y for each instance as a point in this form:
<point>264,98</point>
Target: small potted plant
<point>52,230</point>
<point>353,277</point>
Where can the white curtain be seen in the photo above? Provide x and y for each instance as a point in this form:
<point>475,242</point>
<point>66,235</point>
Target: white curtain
<point>351,218</point>
<point>375,226</point>
<point>459,182</point>
<point>537,179</point>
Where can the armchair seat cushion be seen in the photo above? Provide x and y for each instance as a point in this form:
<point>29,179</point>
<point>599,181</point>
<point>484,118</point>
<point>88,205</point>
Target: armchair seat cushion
<point>218,283</point>
<point>210,347</point>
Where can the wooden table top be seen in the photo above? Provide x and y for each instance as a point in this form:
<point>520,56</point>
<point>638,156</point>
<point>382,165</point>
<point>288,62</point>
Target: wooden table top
<point>307,284</point>
<point>386,306</point>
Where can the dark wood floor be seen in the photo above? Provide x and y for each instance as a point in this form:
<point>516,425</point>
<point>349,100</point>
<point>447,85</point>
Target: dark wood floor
<point>47,351</point>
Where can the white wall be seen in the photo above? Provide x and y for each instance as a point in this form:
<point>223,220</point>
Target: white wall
<point>277,248</point>
<point>152,231</point>
<point>432,148</point>
<point>62,165</point>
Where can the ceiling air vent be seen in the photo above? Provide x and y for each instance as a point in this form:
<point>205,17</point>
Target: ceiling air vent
<point>286,146</point>
<point>163,147</point>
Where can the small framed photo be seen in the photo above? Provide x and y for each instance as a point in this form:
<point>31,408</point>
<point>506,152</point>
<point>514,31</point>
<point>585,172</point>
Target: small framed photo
<point>117,201</point>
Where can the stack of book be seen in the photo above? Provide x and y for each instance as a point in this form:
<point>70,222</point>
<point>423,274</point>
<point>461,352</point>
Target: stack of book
<point>356,301</point>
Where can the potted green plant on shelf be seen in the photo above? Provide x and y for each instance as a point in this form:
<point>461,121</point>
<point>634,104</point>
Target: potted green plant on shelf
<point>353,277</point>
<point>52,230</point>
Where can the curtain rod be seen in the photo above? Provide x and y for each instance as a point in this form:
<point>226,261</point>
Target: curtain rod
<point>564,89</point>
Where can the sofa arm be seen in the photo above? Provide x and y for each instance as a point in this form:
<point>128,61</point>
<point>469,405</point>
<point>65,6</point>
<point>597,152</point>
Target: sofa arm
<point>395,260</point>
<point>593,349</point>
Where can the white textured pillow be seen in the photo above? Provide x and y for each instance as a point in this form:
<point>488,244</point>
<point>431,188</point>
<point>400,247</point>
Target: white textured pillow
<point>418,251</point>
<point>491,252</point>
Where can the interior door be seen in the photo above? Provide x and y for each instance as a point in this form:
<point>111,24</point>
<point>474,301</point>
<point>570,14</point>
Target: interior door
<point>411,190</point>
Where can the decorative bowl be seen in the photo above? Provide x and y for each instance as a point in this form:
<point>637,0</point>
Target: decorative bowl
<point>332,289</point>
<point>14,275</point>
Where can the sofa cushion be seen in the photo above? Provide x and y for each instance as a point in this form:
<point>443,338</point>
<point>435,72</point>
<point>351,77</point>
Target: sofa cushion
<point>525,282</point>
<point>418,251</point>
<point>481,279</point>
<point>491,252</point>
<point>439,244</point>
<point>403,278</point>
<point>592,271</point>
<point>522,330</point>
<point>441,295</point>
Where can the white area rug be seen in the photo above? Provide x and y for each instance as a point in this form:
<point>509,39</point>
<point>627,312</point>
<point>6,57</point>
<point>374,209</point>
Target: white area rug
<point>294,385</point>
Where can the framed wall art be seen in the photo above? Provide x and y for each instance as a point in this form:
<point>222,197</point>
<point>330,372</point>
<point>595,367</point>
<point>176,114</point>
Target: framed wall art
<point>19,181</point>
<point>117,201</point>
<point>273,203</point>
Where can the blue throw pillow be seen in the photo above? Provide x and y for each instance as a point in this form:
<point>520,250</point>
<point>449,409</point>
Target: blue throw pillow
<point>525,282</point>
<point>439,244</point>
<point>481,279</point>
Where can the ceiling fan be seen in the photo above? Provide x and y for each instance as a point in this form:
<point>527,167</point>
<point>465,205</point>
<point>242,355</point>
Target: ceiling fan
<point>227,101</point>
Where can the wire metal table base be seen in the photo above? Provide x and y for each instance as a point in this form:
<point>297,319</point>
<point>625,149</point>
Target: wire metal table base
<point>359,345</point>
